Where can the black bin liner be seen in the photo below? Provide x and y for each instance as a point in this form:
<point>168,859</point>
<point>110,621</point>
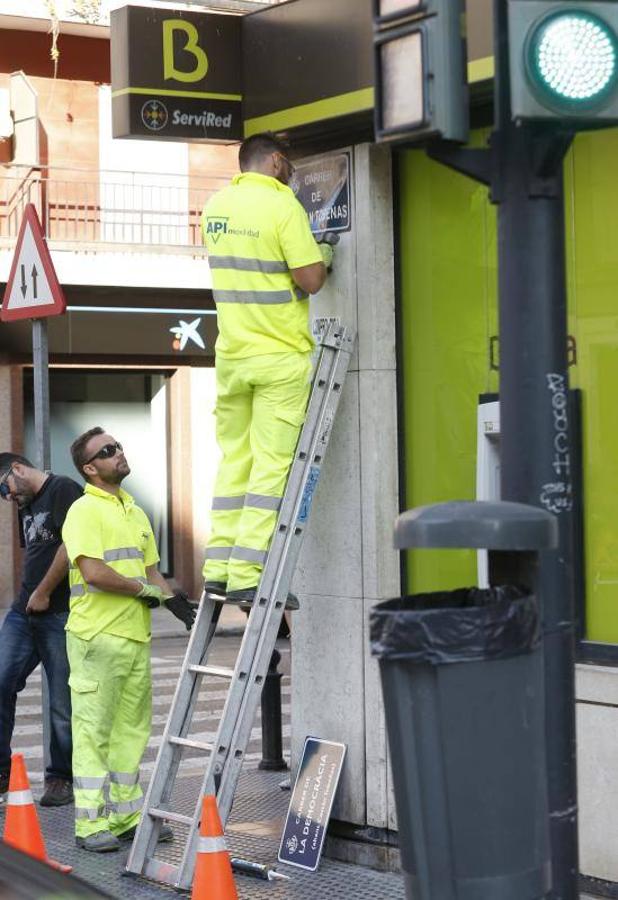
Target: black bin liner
<point>457,626</point>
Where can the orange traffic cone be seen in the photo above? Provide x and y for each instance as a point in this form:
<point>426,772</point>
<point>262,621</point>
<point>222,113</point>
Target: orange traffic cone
<point>21,825</point>
<point>213,872</point>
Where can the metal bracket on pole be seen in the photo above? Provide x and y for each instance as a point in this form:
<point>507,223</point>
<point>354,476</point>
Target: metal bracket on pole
<point>475,163</point>
<point>548,152</point>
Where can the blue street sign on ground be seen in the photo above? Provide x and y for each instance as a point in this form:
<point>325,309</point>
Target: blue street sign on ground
<point>311,803</point>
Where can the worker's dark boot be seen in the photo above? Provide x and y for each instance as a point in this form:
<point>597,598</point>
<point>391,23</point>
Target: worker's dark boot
<point>245,597</point>
<point>215,589</point>
<point>58,792</point>
<point>100,842</point>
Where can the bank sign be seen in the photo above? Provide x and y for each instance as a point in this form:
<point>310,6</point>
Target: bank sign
<point>175,75</point>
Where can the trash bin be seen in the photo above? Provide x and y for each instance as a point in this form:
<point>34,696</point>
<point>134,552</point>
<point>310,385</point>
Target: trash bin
<point>462,679</point>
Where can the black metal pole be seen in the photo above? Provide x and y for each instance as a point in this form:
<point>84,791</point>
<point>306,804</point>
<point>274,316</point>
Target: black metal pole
<point>272,742</point>
<point>535,462</point>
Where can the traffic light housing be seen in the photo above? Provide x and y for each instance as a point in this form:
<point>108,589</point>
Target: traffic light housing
<point>420,69</point>
<point>563,61</point>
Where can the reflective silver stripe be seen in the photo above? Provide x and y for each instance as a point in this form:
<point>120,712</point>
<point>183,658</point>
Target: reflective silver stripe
<point>19,798</point>
<point>262,501</point>
<point>252,296</point>
<point>122,553</point>
<point>211,845</point>
<point>89,782</point>
<point>248,264</point>
<point>90,812</point>
<point>219,503</point>
<point>127,806</point>
<point>128,778</point>
<point>218,552</point>
<point>247,554</point>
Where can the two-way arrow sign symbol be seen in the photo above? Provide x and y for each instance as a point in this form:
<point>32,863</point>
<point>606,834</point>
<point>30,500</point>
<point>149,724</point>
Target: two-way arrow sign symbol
<point>24,286</point>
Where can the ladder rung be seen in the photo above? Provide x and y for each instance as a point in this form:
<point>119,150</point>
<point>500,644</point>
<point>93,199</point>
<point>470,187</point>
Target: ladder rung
<point>196,745</point>
<point>165,872</point>
<point>219,671</point>
<point>172,816</point>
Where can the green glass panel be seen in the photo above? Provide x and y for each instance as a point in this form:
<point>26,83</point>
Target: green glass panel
<point>592,260</point>
<point>448,314</point>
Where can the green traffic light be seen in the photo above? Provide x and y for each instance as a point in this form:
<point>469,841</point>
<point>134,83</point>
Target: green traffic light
<point>573,58</point>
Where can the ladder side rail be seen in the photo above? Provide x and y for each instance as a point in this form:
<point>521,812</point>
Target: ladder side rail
<point>318,404</point>
<point>168,758</point>
<point>283,554</point>
<point>249,643</point>
<point>280,580</point>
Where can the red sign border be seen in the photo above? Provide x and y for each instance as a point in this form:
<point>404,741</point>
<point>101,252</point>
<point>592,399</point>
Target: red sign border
<point>58,306</point>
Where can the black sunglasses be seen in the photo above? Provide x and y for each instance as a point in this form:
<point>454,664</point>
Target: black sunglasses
<point>5,491</point>
<point>106,452</point>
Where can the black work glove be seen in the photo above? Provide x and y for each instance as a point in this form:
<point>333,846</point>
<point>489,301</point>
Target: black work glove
<point>180,607</point>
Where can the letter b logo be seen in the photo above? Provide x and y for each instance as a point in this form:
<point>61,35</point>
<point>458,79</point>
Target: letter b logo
<point>190,46</point>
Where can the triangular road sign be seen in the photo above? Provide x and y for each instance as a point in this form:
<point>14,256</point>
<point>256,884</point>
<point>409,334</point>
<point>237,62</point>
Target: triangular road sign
<point>32,291</point>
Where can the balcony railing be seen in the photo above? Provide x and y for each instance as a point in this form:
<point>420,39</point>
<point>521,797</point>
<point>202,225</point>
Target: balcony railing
<point>94,207</point>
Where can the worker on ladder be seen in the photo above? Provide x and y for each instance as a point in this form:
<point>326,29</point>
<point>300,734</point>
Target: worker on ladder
<point>264,262</point>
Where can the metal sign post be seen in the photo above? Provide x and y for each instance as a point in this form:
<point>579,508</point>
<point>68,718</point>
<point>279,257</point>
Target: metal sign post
<point>33,292</point>
<point>40,361</point>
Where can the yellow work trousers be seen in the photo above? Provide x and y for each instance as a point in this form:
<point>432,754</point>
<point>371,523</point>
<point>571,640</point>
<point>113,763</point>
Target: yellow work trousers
<point>261,405</point>
<point>111,701</point>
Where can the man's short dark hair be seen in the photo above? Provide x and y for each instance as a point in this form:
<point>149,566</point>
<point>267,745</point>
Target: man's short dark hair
<point>255,148</point>
<point>8,459</point>
<point>78,449</point>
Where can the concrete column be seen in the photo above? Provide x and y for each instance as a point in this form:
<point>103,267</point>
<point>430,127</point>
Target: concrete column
<point>205,458</point>
<point>348,563</point>
<point>181,478</point>
<point>11,429</point>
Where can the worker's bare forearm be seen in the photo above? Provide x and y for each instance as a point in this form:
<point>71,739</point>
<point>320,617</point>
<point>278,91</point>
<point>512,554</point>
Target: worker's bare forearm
<point>56,572</point>
<point>310,278</point>
<point>101,576</point>
<point>154,577</point>
<point>40,598</point>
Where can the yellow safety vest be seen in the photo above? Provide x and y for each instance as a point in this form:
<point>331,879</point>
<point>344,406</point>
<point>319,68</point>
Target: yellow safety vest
<point>102,526</point>
<point>255,231</point>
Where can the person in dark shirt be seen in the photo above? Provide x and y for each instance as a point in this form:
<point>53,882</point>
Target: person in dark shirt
<point>33,629</point>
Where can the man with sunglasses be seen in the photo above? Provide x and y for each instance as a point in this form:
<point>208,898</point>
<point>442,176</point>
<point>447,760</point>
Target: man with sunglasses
<point>33,630</point>
<point>264,263</point>
<point>114,583</point>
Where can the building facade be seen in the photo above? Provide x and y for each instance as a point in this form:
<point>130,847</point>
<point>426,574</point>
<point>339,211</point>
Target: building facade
<point>416,275</point>
<point>134,351</point>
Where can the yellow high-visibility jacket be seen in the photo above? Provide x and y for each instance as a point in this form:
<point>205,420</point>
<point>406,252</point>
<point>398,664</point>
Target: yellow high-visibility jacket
<point>255,231</point>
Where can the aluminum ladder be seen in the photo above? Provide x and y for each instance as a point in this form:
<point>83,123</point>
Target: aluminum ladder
<point>223,759</point>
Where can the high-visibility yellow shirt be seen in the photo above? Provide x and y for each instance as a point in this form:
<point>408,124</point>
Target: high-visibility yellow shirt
<point>114,529</point>
<point>255,231</point>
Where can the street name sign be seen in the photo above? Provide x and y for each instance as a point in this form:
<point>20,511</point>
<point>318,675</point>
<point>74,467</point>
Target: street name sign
<point>33,290</point>
<point>311,803</point>
<point>322,186</point>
